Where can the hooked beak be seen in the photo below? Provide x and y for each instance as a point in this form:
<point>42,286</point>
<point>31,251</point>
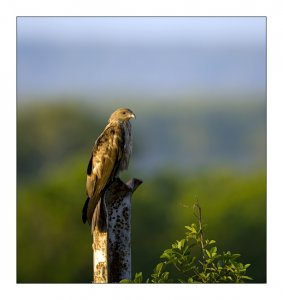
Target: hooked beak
<point>132,116</point>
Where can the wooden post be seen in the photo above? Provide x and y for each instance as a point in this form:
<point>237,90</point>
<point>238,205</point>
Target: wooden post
<point>112,249</point>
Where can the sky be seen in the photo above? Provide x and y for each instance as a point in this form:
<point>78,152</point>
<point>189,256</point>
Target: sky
<point>140,56</point>
<point>140,29</point>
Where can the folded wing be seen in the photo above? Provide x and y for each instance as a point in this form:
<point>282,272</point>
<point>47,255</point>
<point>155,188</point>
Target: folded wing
<point>103,166</point>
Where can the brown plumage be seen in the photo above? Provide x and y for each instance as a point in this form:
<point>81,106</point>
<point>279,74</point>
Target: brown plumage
<point>110,155</point>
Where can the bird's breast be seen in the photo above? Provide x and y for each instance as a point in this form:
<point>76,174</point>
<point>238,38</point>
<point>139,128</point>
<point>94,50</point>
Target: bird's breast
<point>127,132</point>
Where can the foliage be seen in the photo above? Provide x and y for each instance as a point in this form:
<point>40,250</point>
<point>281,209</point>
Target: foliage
<point>53,146</point>
<point>196,260</point>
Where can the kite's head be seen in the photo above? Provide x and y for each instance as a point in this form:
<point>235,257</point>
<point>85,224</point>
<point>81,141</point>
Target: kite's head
<point>122,114</point>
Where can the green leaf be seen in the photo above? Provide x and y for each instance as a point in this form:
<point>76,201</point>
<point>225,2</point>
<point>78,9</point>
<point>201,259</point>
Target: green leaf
<point>138,278</point>
<point>207,252</point>
<point>125,281</point>
<point>180,244</point>
<point>246,277</point>
<point>165,276</point>
<point>240,266</point>
<point>186,250</point>
<point>192,228</point>
<point>166,255</point>
<point>188,227</point>
<point>158,268</point>
<point>236,255</point>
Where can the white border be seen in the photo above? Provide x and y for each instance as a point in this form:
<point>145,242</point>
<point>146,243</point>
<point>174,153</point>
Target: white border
<point>9,11</point>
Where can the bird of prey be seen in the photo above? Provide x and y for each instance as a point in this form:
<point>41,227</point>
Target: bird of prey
<point>110,155</point>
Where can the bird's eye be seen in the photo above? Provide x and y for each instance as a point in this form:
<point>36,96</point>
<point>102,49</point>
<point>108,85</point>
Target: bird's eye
<point>124,113</point>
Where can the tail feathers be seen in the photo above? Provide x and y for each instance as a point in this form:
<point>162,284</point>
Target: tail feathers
<point>99,218</point>
<point>84,211</point>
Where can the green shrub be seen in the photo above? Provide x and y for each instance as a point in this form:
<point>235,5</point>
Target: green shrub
<point>194,259</point>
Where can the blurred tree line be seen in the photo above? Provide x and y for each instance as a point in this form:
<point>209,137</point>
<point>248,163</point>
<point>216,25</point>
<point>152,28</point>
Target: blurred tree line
<point>54,141</point>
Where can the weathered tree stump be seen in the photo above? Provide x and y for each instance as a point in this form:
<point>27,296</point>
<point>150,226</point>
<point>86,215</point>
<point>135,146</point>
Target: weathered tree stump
<point>112,249</point>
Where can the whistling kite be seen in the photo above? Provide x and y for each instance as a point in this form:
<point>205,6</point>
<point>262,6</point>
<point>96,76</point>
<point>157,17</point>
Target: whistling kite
<point>111,154</point>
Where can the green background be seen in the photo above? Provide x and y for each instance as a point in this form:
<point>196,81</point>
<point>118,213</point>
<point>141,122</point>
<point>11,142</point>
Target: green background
<point>211,151</point>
